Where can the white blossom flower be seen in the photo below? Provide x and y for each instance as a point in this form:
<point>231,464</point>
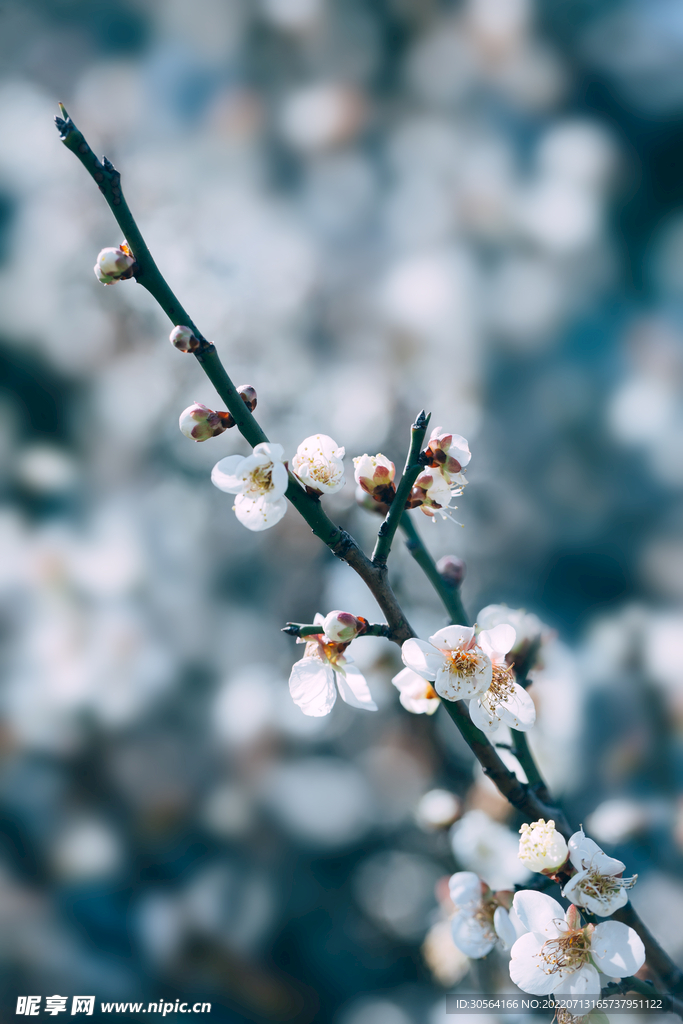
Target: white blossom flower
<point>113,264</point>
<point>450,452</point>
<point>598,884</point>
<point>452,660</point>
<point>312,679</point>
<point>318,464</point>
<point>416,694</point>
<point>542,848</point>
<point>504,700</point>
<point>373,473</point>
<point>558,955</point>
<point>259,481</point>
<point>480,922</point>
<point>434,492</point>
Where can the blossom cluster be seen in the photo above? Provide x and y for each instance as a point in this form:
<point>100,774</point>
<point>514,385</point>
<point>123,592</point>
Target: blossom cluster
<point>464,663</point>
<point>596,880</point>
<point>552,951</point>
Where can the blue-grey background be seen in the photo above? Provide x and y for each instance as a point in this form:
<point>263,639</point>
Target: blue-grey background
<point>372,206</point>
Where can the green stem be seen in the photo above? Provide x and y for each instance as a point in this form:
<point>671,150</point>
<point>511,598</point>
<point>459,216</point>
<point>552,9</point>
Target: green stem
<point>449,594</point>
<point>521,796</point>
<point>526,759</point>
<point>411,471</point>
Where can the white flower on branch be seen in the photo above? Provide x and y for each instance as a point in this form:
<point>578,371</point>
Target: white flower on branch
<point>433,493</point>
<point>504,700</point>
<point>449,452</point>
<point>598,884</point>
<point>558,955</point>
<point>480,922</point>
<point>542,848</point>
<point>312,679</point>
<point>113,264</point>
<point>259,481</point>
<point>199,423</point>
<point>318,464</point>
<point>452,660</point>
<point>416,694</point>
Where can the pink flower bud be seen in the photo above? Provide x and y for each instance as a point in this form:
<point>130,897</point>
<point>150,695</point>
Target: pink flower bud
<point>114,265</point>
<point>183,339</point>
<point>452,569</point>
<point>374,473</point>
<point>341,627</point>
<point>200,423</point>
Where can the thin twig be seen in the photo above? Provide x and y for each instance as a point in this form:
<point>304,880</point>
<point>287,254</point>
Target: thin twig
<point>448,592</point>
<point>411,471</point>
<point>148,274</point>
<point>518,793</point>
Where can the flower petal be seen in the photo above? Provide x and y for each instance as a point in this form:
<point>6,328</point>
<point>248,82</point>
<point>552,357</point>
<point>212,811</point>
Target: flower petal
<point>465,889</point>
<point>417,695</point>
<point>226,475</point>
<point>538,912</point>
<point>471,937</point>
<point>422,658</point>
<point>525,965</point>
<point>311,684</point>
<point>584,853</point>
<point>483,718</point>
<point>617,950</point>
<point>272,452</point>
<point>505,929</point>
<point>584,982</point>
<point>259,514</point>
<point>518,711</point>
<point>498,640</point>
<point>354,689</point>
<point>450,638</point>
<point>279,478</point>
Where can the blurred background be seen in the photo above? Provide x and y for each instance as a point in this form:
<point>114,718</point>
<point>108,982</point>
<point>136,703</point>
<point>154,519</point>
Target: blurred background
<point>372,206</point>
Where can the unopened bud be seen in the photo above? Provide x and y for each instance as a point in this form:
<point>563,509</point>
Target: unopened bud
<point>542,848</point>
<point>341,627</point>
<point>248,393</point>
<point>373,472</point>
<point>369,503</point>
<point>199,423</point>
<point>452,569</point>
<point>248,396</point>
<point>183,339</point>
<point>114,265</point>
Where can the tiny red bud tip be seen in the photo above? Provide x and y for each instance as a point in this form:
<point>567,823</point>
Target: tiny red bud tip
<point>452,569</point>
